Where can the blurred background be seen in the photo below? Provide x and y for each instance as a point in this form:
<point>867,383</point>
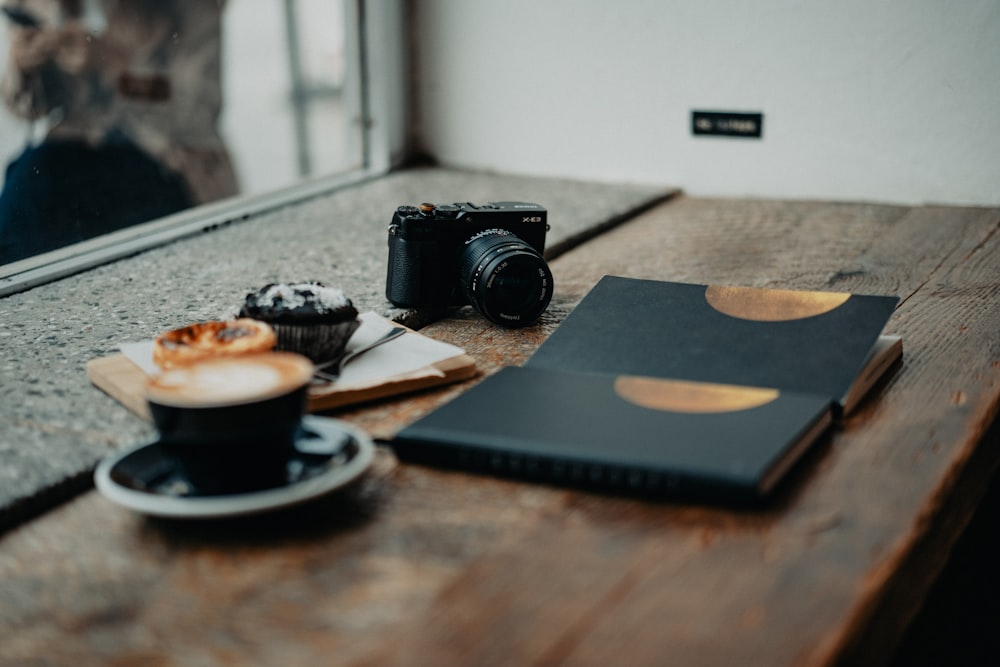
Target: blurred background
<point>285,81</point>
<point>888,102</point>
<point>892,101</point>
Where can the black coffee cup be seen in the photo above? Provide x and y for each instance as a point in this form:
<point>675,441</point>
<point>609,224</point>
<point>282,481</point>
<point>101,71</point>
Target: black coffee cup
<point>231,422</point>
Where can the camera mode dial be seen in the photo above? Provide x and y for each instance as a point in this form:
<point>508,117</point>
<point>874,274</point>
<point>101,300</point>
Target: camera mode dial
<point>447,211</point>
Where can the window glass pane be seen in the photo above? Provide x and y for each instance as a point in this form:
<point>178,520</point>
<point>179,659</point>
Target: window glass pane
<point>120,111</point>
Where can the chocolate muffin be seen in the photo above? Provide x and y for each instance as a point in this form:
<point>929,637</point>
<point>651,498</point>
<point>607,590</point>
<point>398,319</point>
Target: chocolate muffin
<point>309,318</point>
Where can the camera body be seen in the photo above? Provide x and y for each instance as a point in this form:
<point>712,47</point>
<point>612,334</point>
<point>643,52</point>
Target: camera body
<point>456,254</point>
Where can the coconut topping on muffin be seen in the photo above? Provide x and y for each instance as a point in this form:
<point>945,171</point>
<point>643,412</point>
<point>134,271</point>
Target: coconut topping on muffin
<point>296,302</point>
<point>308,317</point>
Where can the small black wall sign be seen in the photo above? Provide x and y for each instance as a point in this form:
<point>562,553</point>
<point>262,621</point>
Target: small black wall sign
<point>728,124</point>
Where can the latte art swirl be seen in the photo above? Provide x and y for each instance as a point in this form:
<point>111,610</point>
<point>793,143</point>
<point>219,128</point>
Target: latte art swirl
<point>230,380</point>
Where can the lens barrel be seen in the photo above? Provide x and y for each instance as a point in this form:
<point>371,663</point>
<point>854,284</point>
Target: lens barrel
<point>505,279</point>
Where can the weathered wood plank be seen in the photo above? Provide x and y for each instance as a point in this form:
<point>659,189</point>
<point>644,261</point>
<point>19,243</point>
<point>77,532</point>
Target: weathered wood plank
<point>419,566</point>
<point>802,588</point>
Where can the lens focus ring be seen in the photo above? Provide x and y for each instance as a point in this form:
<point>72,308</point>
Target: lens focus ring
<point>505,279</point>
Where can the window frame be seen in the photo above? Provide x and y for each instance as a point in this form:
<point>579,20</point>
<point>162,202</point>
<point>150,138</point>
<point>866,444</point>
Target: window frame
<point>375,45</point>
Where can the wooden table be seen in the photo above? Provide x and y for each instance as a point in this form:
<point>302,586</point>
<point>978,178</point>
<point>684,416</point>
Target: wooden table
<point>425,567</point>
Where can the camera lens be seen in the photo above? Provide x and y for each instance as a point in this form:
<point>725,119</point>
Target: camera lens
<point>504,278</point>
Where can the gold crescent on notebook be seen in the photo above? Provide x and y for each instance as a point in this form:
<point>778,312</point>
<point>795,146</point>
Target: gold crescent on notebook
<point>767,305</point>
<point>691,397</point>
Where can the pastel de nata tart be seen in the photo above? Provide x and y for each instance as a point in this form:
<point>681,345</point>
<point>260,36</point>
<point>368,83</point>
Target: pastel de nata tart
<point>309,318</point>
<point>203,340</point>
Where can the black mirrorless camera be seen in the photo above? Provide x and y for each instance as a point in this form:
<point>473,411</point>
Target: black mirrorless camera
<point>488,255</point>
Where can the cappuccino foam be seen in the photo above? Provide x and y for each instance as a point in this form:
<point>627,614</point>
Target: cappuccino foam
<point>225,381</point>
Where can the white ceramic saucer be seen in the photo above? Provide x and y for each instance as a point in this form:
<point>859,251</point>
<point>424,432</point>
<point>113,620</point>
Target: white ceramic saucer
<point>332,455</point>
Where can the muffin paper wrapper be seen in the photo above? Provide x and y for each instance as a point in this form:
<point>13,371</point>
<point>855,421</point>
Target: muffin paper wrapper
<point>319,342</point>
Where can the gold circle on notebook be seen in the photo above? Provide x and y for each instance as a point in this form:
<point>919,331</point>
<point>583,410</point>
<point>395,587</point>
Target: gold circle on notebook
<point>691,397</point>
<point>767,305</point>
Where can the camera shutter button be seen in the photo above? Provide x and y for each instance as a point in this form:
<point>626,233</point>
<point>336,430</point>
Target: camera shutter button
<point>426,208</point>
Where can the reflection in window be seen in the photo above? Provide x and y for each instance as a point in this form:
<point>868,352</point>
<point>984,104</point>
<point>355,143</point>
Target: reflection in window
<point>119,112</point>
<point>287,68</point>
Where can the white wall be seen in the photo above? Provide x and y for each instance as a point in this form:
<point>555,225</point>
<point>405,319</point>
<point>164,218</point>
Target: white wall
<point>876,100</point>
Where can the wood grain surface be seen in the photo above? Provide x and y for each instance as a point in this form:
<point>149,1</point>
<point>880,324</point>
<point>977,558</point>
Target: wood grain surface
<point>415,566</point>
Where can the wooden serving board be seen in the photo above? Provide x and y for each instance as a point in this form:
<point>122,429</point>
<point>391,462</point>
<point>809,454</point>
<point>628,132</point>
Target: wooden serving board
<point>121,379</point>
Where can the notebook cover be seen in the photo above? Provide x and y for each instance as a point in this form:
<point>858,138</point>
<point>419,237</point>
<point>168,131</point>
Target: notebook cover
<point>621,433</point>
<point>810,342</point>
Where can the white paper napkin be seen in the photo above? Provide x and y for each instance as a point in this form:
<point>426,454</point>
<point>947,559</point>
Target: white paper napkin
<point>405,355</point>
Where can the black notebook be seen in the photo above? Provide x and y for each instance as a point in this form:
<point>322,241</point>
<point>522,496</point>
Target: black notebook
<point>667,388</point>
<point>812,342</point>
